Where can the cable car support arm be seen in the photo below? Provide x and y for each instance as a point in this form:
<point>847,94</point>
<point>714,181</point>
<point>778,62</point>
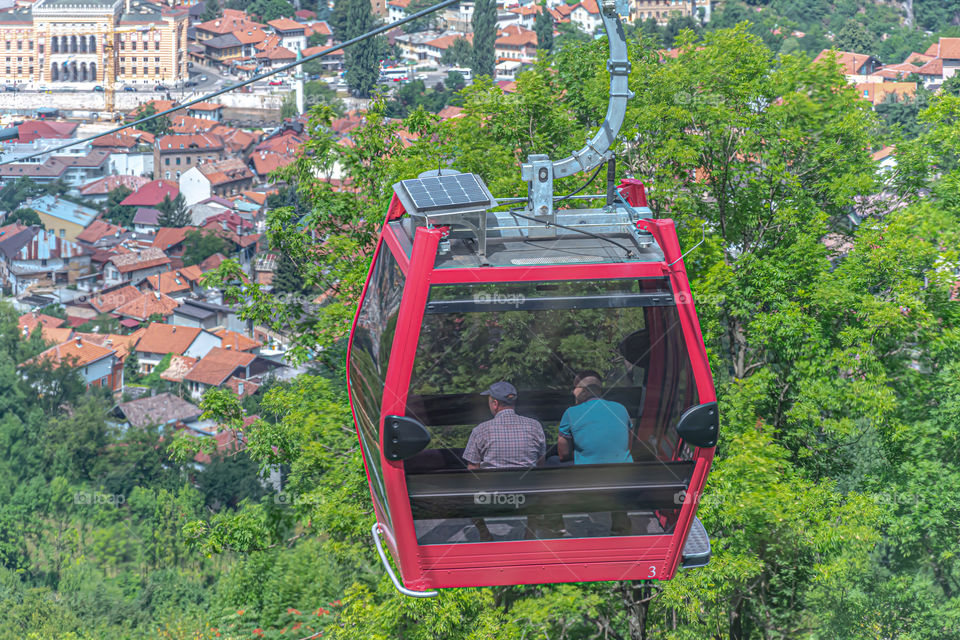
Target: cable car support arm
<point>539,171</point>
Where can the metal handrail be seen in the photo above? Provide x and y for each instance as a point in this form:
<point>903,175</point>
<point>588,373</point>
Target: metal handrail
<point>393,577</point>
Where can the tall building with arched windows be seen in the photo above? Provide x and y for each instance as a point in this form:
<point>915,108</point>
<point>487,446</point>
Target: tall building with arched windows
<point>86,43</point>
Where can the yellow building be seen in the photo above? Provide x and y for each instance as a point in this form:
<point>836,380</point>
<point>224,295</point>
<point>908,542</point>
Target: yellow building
<point>71,42</point>
<point>663,10</point>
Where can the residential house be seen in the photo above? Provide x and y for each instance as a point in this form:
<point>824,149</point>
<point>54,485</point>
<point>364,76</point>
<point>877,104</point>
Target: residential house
<point>150,304</point>
<point>856,67</point>
<point>146,220</point>
<point>224,178</point>
<point>216,367</point>
<point>98,366</point>
<point>177,153</point>
<point>68,219</point>
<point>586,15</point>
<point>135,265</point>
<point>109,299</point>
<point>237,341</point>
<point>160,339</point>
<point>232,20</point>
<point>31,256</point>
<point>152,194</point>
<point>948,51</point>
<point>878,92</point>
<point>161,410</point>
<point>292,34</point>
<point>223,49</point>
<point>397,10</point>
<point>170,240</point>
<point>97,191</point>
<point>178,284</point>
<point>208,110</point>
<point>516,43</point>
<point>123,344</point>
<point>131,152</point>
<point>206,315</point>
<point>97,231</point>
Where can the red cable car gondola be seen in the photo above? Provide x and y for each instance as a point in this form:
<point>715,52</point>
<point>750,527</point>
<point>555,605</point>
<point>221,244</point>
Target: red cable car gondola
<point>461,296</point>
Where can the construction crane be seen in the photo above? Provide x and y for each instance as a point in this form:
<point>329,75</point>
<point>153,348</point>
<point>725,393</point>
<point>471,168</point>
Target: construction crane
<point>110,60</point>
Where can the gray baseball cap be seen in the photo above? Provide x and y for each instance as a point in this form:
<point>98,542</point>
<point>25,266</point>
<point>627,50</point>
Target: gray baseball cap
<point>502,391</point>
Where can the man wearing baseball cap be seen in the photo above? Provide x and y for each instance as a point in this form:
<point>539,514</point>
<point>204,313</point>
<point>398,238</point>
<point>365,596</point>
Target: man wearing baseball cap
<point>508,440</point>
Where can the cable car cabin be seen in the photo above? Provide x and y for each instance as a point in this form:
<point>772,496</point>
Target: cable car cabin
<point>459,297</point>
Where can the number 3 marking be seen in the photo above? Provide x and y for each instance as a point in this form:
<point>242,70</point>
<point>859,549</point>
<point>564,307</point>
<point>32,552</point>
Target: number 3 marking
<point>653,571</point>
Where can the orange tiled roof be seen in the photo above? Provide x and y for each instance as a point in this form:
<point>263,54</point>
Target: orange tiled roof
<point>218,365</point>
<point>167,338</point>
<point>30,321</point>
<point>250,36</point>
<point>122,344</point>
<point>107,302</point>
<point>236,341</point>
<point>286,24</point>
<point>950,48</point>
<point>147,305</point>
<point>75,351</point>
<point>850,63</point>
<point>517,36</point>
<point>167,237</point>
<point>175,280</point>
<point>98,229</point>
<point>134,261</point>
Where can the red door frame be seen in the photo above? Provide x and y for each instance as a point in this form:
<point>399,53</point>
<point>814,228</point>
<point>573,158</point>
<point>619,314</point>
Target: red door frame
<point>527,561</point>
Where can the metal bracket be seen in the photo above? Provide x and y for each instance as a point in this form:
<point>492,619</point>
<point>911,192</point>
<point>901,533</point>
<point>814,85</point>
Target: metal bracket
<point>597,149</point>
<point>393,577</point>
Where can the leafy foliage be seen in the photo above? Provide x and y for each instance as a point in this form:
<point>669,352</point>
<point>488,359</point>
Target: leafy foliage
<point>484,24</point>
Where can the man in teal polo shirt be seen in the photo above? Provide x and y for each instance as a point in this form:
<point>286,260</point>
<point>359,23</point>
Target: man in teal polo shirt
<point>595,431</point>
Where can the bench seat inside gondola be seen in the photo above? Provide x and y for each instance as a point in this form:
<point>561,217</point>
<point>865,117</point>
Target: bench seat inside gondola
<point>547,406</point>
<point>461,493</point>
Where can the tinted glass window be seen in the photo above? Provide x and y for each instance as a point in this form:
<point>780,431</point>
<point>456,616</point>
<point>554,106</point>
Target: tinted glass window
<point>369,357</point>
<point>626,463</point>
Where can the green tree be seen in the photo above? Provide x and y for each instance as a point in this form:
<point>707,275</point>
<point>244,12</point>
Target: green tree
<point>420,24</point>
<point>484,24</point>
<point>317,39</point>
<point>24,215</point>
<point>117,213</point>
<point>543,26</point>
<point>352,18</point>
<point>455,81</point>
<point>200,244</point>
<point>211,10</point>
<point>854,36</point>
<point>173,212</point>
<point>268,10</point>
<point>158,126</point>
<point>458,54</point>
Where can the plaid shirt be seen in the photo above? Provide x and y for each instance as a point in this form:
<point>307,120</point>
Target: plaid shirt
<point>506,441</point>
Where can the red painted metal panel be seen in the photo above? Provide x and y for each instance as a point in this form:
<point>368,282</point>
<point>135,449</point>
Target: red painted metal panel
<point>402,354</point>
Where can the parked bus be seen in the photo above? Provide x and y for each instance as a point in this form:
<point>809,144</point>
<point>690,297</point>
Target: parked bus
<point>395,74</point>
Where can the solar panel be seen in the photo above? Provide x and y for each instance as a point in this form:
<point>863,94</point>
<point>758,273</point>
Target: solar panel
<point>446,192</point>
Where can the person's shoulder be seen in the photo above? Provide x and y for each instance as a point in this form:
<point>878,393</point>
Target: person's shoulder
<point>533,422</point>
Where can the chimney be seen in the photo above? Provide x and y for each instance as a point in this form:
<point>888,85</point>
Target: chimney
<point>79,343</point>
<point>174,329</point>
<point>156,294</point>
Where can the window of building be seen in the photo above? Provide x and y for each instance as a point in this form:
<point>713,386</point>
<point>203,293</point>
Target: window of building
<point>156,70</point>
<point>30,44</point>
<point>19,45</point>
<point>189,160</point>
<point>168,175</point>
<point>103,382</point>
<point>156,45</point>
<point>145,72</point>
<point>133,46</point>
<point>63,233</point>
<point>178,175</point>
<point>123,71</point>
<point>178,159</point>
<point>166,162</point>
<point>123,45</point>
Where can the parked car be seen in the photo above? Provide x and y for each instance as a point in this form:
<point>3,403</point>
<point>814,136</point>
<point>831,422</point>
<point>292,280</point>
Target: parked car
<point>11,87</point>
<point>127,87</point>
<point>98,88</point>
<point>203,78</point>
<point>275,83</point>
<point>190,83</point>
<point>160,87</point>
